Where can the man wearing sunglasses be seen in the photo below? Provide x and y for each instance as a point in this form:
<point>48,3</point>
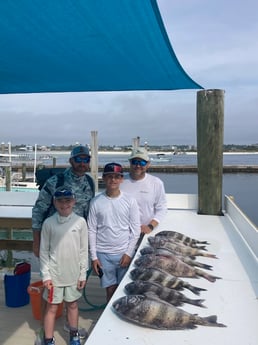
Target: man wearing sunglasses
<point>74,178</point>
<point>148,190</point>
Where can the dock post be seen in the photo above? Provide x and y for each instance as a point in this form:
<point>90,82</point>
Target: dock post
<point>210,129</point>
<point>8,178</point>
<point>24,171</point>
<point>94,158</point>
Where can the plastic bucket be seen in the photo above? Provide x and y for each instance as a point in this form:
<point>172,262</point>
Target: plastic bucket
<point>16,286</point>
<point>35,291</point>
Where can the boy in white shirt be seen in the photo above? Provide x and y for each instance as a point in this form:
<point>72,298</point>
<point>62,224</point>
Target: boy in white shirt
<point>114,228</point>
<point>63,263</point>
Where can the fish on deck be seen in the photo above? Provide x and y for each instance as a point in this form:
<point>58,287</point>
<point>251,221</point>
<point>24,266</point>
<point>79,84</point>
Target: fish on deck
<point>178,248</point>
<point>164,278</point>
<point>180,237</point>
<point>150,311</point>
<point>167,252</point>
<point>166,294</point>
<point>173,265</point>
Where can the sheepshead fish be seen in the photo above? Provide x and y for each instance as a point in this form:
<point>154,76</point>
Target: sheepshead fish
<point>167,252</point>
<point>178,236</point>
<point>165,279</point>
<point>150,311</point>
<point>178,248</point>
<point>169,295</point>
<point>172,265</point>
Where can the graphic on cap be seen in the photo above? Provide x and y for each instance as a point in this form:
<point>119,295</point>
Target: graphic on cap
<point>63,193</point>
<point>113,168</point>
<point>139,153</point>
<point>80,150</point>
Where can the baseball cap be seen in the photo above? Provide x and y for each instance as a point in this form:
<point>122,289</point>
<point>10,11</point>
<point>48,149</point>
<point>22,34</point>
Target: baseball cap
<point>80,150</point>
<point>64,193</point>
<point>139,153</point>
<point>113,168</point>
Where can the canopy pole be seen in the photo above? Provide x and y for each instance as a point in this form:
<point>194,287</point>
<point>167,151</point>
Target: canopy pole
<point>210,127</point>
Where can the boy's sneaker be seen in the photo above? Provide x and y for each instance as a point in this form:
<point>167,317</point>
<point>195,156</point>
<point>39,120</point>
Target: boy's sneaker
<point>39,337</point>
<point>75,340</point>
<point>83,334</point>
<point>51,343</point>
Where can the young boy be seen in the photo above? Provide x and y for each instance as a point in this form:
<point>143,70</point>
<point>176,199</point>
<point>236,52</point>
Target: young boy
<point>63,263</point>
<point>114,228</point>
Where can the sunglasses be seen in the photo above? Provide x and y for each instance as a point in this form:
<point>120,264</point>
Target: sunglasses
<point>63,194</point>
<point>142,163</point>
<point>79,159</point>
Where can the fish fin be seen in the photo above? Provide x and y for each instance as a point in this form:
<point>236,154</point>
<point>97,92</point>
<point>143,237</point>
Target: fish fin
<point>207,276</point>
<point>212,321</point>
<point>199,302</point>
<point>207,267</point>
<point>200,247</point>
<point>194,289</point>
<point>209,255</point>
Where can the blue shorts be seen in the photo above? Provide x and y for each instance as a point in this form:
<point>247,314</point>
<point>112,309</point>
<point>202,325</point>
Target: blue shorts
<point>113,273</point>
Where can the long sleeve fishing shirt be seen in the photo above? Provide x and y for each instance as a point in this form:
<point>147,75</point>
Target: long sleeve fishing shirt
<point>150,195</point>
<point>44,208</point>
<point>64,249</point>
<point>114,225</point>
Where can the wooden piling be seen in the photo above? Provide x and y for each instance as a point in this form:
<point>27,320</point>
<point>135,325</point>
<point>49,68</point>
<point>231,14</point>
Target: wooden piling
<point>210,129</point>
<point>94,158</point>
<point>23,172</point>
<point>8,178</point>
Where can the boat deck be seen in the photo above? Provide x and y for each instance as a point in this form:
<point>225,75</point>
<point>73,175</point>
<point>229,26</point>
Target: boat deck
<point>234,240</point>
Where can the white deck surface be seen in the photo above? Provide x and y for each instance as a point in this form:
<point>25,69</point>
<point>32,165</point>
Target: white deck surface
<point>231,298</point>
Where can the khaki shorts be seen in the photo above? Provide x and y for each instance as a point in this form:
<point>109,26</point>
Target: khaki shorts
<point>62,293</point>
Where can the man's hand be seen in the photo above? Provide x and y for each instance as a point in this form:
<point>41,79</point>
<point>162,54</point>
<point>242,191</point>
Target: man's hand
<point>36,242</point>
<point>145,229</point>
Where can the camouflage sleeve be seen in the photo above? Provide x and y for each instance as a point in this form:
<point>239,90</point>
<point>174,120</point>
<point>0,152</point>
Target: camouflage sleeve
<point>43,204</point>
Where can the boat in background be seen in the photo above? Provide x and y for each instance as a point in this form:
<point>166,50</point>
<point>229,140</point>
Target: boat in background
<point>161,158</point>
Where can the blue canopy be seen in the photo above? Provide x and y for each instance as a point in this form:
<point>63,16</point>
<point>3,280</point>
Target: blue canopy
<point>86,45</point>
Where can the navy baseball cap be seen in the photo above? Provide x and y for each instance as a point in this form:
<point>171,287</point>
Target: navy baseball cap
<point>64,193</point>
<point>113,168</point>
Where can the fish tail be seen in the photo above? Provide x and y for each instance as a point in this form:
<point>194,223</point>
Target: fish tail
<point>206,267</point>
<point>197,302</point>
<point>203,242</point>
<point>209,255</point>
<point>212,321</point>
<point>200,247</point>
<point>196,290</point>
<point>209,277</point>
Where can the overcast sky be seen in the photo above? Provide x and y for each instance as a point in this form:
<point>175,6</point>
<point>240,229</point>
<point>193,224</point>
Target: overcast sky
<point>216,42</point>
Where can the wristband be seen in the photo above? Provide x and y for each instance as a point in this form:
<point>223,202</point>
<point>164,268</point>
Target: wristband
<point>150,226</point>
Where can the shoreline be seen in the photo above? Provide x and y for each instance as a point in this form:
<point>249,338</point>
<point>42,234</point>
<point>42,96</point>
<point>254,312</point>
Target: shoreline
<point>159,168</point>
<point>149,152</point>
